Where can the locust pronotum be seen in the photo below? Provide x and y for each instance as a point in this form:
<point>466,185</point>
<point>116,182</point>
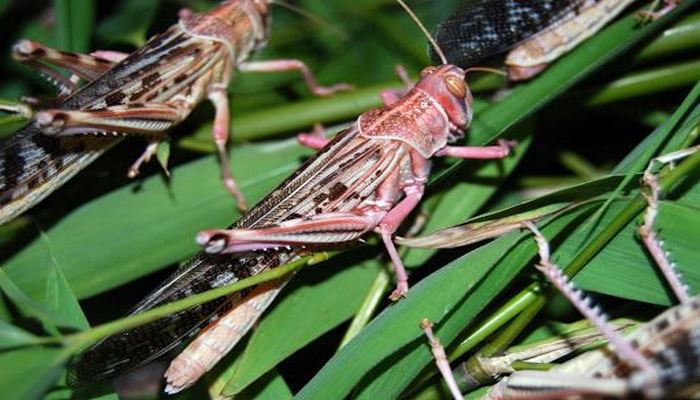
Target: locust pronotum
<point>144,93</point>
<point>659,359</point>
<point>540,31</point>
<point>368,178</point>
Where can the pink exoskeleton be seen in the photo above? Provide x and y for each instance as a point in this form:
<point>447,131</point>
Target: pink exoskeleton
<point>368,178</point>
<point>385,155</point>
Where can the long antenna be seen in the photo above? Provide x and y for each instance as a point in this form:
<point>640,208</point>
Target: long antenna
<point>312,17</point>
<point>432,41</point>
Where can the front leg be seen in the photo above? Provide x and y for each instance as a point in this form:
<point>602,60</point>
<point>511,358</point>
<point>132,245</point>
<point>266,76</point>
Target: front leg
<point>35,55</point>
<point>502,150</point>
<point>294,65</point>
<point>151,120</point>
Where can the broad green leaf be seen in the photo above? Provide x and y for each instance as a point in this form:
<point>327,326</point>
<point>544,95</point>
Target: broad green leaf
<point>29,373</point>
<point>162,220</point>
<point>130,22</point>
<point>611,270</point>
<point>12,336</point>
<point>391,351</point>
<point>60,299</point>
<point>271,386</point>
<point>28,306</point>
<point>305,313</point>
<point>75,21</point>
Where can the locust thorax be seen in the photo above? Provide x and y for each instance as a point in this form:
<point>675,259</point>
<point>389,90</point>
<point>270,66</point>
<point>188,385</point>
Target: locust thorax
<point>446,85</point>
<point>240,25</point>
<point>433,113</point>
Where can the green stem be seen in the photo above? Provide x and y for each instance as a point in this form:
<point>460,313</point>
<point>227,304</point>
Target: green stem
<point>646,82</point>
<point>294,117</point>
<point>578,165</point>
<point>513,330</point>
<point>499,318</point>
<point>369,306</point>
<point>82,339</point>
<point>532,296</point>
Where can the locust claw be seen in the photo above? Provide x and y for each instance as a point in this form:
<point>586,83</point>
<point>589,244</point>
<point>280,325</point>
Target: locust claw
<point>400,291</point>
<point>50,122</point>
<point>213,241</point>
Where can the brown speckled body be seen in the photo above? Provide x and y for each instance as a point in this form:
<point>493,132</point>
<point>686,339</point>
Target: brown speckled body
<point>176,67</point>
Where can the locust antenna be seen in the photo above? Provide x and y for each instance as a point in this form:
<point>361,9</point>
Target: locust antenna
<point>485,69</point>
<point>312,17</point>
<point>432,41</point>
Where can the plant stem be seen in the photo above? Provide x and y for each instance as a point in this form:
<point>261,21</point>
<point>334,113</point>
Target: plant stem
<point>533,296</point>
<point>85,338</point>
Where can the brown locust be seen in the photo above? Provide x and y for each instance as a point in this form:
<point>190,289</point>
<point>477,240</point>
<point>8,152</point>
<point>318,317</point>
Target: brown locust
<point>144,94</point>
<point>368,178</point>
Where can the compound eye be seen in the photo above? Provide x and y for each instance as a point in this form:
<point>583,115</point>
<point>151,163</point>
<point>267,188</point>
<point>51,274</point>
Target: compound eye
<point>427,70</point>
<point>456,86</point>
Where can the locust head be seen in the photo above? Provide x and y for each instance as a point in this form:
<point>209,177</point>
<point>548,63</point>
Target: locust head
<point>446,85</point>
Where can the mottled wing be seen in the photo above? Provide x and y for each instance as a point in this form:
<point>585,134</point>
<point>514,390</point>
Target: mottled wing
<point>33,165</point>
<point>671,341</point>
<point>347,162</point>
<point>483,28</point>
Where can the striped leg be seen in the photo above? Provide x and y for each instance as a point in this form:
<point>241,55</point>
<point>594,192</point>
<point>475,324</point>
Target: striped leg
<point>150,120</point>
<point>295,65</point>
<point>88,67</point>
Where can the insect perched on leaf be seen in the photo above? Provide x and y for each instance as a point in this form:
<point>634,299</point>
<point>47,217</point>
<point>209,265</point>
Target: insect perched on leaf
<point>368,178</point>
<point>144,94</point>
<point>658,359</point>
<point>536,33</point>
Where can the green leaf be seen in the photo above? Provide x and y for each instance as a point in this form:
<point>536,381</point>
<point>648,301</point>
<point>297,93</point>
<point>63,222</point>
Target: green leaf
<point>28,306</point>
<point>391,350</point>
<point>12,336</point>
<point>163,155</point>
<point>624,257</point>
<point>162,221</point>
<point>271,386</point>
<point>75,20</point>
<point>30,372</point>
<point>305,313</point>
<point>60,299</point>
<point>130,22</point>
